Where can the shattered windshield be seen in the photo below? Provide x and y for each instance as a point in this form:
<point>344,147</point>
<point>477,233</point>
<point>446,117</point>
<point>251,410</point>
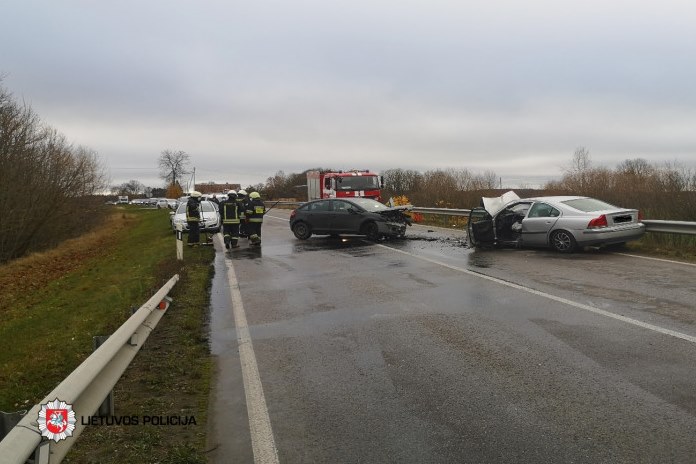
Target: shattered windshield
<point>368,204</point>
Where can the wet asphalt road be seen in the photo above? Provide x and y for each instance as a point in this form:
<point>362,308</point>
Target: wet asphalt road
<point>402,352</point>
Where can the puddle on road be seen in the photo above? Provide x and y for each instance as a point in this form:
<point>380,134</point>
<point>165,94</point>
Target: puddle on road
<point>244,253</point>
<point>221,330</point>
<point>480,260</point>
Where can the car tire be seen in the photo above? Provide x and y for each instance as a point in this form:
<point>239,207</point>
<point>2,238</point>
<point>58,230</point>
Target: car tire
<point>301,230</point>
<point>563,241</point>
<point>371,230</point>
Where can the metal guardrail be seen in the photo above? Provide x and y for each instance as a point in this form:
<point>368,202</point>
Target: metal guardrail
<point>444,211</point>
<point>670,227</point>
<point>87,386</point>
<point>651,225</point>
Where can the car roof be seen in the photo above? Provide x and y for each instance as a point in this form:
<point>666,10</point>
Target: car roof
<point>558,198</point>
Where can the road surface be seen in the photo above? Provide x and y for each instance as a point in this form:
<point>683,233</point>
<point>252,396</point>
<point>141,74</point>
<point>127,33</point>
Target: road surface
<point>423,350</point>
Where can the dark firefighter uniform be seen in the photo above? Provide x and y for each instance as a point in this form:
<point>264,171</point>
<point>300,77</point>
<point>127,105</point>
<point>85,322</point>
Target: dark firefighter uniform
<point>254,213</point>
<point>241,208</point>
<point>229,211</point>
<point>193,218</point>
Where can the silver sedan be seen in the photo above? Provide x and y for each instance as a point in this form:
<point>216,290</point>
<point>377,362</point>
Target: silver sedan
<point>210,217</point>
<point>563,223</point>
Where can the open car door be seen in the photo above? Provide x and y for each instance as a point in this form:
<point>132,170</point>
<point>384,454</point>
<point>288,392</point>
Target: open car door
<point>480,228</point>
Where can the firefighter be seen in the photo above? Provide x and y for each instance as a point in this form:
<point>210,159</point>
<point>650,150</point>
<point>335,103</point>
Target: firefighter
<point>229,211</point>
<point>241,206</point>
<point>254,212</point>
<point>193,218</point>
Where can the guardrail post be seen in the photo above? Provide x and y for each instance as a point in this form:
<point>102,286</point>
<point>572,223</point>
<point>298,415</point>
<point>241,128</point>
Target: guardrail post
<point>8,420</point>
<point>106,409</point>
<point>179,242</point>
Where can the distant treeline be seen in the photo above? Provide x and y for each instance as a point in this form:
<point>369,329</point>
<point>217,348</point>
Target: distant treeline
<point>666,191</point>
<point>47,186</point>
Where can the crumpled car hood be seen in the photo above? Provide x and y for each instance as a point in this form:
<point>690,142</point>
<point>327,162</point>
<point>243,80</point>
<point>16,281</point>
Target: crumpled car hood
<point>396,214</point>
<point>496,204</point>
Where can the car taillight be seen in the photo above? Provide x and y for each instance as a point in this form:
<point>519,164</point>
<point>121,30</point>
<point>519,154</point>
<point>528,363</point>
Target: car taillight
<point>598,222</point>
<point>640,216</point>
<point>294,212</point>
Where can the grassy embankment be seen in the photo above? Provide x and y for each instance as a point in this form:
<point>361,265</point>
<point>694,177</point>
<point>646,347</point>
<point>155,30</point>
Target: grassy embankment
<point>53,303</point>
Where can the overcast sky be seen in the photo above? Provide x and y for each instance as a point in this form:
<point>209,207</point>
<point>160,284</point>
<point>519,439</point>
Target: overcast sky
<point>248,88</point>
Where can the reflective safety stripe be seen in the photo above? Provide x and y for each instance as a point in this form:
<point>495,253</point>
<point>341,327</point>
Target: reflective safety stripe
<point>256,220</point>
<point>230,221</point>
<point>259,209</point>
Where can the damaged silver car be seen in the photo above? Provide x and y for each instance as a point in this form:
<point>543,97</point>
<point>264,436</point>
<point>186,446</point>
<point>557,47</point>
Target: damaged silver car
<point>361,216</point>
<point>564,223</point>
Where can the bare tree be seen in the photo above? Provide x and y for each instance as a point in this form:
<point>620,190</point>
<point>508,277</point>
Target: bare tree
<point>45,183</point>
<point>131,188</point>
<point>173,165</point>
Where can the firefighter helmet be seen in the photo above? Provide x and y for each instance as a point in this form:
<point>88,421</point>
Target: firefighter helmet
<point>196,194</point>
<point>231,192</point>
<point>242,193</point>
<point>254,195</point>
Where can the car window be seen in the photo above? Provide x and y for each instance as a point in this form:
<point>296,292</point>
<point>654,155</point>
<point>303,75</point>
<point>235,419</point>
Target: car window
<point>543,210</point>
<point>207,207</point>
<point>318,206</point>
<point>589,205</point>
<point>341,206</point>
<point>519,208</point>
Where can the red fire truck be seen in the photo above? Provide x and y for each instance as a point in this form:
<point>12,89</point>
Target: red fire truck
<point>343,184</point>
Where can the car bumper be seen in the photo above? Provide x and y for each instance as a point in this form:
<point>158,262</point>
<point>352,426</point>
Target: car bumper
<point>610,235</point>
<point>209,227</point>
<point>391,228</point>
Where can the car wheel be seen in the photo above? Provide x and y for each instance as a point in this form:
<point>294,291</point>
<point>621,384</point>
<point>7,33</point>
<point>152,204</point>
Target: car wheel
<point>371,231</point>
<point>301,230</point>
<point>563,241</point>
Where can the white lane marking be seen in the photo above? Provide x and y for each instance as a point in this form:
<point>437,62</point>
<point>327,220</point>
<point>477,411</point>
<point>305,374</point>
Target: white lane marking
<point>656,259</point>
<point>279,218</point>
<point>645,325</point>
<point>262,440</point>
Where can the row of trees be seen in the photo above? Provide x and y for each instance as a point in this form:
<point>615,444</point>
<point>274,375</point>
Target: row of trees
<point>666,191</point>
<point>47,186</point>
<point>436,187</point>
<point>661,191</point>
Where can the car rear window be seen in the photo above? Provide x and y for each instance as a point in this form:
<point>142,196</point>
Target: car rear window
<point>588,204</point>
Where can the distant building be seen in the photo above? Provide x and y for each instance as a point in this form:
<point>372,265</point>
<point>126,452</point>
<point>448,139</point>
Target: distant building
<point>211,187</point>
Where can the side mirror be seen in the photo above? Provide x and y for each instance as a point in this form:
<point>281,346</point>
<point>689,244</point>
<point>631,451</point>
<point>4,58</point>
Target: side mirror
<point>381,182</point>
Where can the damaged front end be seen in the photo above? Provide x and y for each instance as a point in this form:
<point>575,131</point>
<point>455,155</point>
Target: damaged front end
<point>395,221</point>
<point>398,214</point>
<point>481,226</point>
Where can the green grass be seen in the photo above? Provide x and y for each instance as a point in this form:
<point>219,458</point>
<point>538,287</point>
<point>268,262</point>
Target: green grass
<point>60,301</point>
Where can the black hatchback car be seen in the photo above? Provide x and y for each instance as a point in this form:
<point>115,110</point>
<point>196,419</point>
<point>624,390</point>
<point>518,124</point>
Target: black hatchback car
<point>361,216</point>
